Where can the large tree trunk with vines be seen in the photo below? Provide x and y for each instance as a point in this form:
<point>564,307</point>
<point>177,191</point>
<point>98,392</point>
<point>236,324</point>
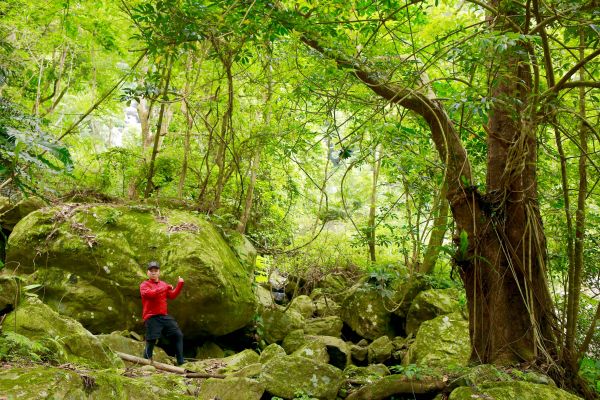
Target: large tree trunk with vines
<point>502,263</point>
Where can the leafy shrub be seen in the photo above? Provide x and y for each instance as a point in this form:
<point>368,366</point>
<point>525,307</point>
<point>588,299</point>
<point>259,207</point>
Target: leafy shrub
<point>590,371</point>
<point>15,347</point>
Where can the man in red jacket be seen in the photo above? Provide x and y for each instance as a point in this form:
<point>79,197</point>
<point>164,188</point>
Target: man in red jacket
<point>154,311</point>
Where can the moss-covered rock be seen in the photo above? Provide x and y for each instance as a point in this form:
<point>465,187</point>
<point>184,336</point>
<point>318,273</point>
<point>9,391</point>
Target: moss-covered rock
<point>209,350</point>
<point>251,371</point>
<point>365,375</point>
<point>91,260</point>
<point>327,326</point>
<point>406,290</point>
<point>66,336</point>
<point>484,373</point>
<point>364,310</point>
<point>278,323</point>
<point>44,382</point>
<point>272,350</point>
<point>359,353</point>
<point>117,342</point>
<point>12,213</point>
<point>293,341</point>
<point>10,290</point>
<point>380,350</point>
<point>242,248</point>
<point>333,284</point>
<point>338,350</point>
<point>325,306</point>
<point>227,365</point>
<point>288,375</point>
<point>315,350</point>
<point>303,305</point>
<point>429,304</point>
<point>441,342</point>
<point>110,385</point>
<point>41,383</point>
<point>511,391</point>
<point>231,388</point>
<point>264,300</point>
<point>388,386</point>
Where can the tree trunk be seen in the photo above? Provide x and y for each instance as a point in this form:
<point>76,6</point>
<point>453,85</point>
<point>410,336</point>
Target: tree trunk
<point>189,120</point>
<point>510,309</point>
<point>373,203</point>
<point>159,128</point>
<point>438,231</point>
<point>226,132</point>
<point>266,117</point>
<point>576,269</point>
<point>144,115</point>
<point>503,267</point>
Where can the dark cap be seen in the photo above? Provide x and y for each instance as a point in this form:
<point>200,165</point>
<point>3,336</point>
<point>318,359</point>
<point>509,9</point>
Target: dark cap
<point>153,264</point>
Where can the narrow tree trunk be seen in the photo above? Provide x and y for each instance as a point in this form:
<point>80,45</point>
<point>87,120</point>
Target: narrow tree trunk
<point>144,116</point>
<point>241,228</point>
<point>159,126</point>
<point>436,238</point>
<point>575,269</point>
<point>589,335</point>
<point>373,202</point>
<point>36,104</point>
<point>323,187</point>
<point>224,139</point>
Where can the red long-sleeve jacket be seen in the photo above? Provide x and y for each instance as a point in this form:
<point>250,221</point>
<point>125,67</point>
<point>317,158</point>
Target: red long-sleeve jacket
<point>154,297</point>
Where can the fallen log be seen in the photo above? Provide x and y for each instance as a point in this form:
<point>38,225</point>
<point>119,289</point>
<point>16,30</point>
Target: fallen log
<point>155,364</point>
<point>396,384</point>
<point>167,367</point>
<point>203,375</point>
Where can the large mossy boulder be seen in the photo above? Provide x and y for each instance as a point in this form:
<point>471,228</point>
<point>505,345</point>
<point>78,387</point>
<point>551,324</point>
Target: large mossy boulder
<point>288,375</point>
<point>50,383</point>
<point>118,342</point>
<point>510,391</point>
<point>441,342</point>
<point>242,248</point>
<point>67,337</point>
<point>91,260</point>
<point>429,304</point>
<point>365,310</point>
<point>231,388</point>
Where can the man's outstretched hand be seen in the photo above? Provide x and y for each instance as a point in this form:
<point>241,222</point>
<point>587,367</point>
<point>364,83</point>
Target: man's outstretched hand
<point>180,280</point>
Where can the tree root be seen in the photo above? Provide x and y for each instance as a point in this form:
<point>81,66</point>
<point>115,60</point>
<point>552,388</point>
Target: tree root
<point>396,384</point>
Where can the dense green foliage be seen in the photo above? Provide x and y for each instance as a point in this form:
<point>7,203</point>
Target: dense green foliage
<point>230,108</point>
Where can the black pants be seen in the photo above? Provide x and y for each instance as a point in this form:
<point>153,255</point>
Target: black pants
<point>166,326</point>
